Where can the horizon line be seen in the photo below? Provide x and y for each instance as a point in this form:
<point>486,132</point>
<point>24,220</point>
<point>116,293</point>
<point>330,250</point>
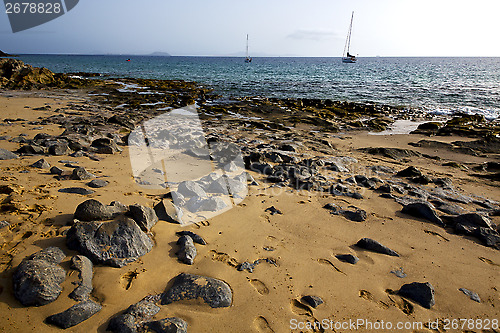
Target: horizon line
<point>238,56</point>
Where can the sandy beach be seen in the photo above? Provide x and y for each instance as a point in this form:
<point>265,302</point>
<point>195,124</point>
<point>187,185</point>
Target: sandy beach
<point>297,245</point>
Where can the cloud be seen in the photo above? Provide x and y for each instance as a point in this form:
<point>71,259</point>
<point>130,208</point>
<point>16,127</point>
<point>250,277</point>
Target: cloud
<point>312,35</point>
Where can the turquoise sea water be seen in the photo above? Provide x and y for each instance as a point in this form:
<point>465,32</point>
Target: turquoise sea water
<point>440,85</point>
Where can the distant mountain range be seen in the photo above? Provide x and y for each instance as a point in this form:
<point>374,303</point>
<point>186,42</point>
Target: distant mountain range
<point>160,54</point>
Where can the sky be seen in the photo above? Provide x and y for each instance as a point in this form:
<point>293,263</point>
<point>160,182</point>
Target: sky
<point>309,28</point>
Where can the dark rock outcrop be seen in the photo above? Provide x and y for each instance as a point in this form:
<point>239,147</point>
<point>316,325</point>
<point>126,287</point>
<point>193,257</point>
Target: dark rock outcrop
<point>167,325</point>
<point>7,155</point>
<point>423,209</point>
<point>80,173</point>
<point>37,279</point>
<point>41,164</point>
<point>84,267</point>
<point>216,293</point>
<point>75,314</point>
<point>114,243</point>
<point>130,320</point>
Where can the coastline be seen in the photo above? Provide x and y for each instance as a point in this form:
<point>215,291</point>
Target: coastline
<point>302,242</point>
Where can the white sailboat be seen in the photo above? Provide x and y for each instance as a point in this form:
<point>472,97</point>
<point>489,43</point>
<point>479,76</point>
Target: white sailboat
<point>346,56</point>
<point>247,58</point>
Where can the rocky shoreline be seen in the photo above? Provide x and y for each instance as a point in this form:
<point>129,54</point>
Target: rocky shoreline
<point>273,159</point>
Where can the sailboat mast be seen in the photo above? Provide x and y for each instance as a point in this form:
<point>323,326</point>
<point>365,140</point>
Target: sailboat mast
<point>247,47</point>
<point>348,40</point>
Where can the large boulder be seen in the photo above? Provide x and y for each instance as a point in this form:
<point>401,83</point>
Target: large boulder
<point>213,292</point>
<point>37,279</point>
<point>114,243</point>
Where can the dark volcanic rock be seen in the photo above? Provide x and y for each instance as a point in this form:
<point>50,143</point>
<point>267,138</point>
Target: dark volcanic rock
<point>145,217</point>
<point>31,150</point>
<point>488,237</point>
<point>59,149</point>
<point>93,210</point>
<point>372,245</point>
<point>105,146</point>
<point>474,219</point>
<point>165,210</point>
<point>75,314</point>
<point>79,173</point>
<point>187,251</point>
<point>115,243</point>
<point>7,155</point>
<point>410,171</point>
<point>422,293</point>
<point>134,316</point>
<point>76,190</point>
<point>98,183</point>
<point>56,170</point>
<point>41,164</point>
<point>215,293</point>
<point>349,258</point>
<point>196,238</point>
<point>424,210</point>
<point>84,267</point>
<point>394,153</point>
<point>167,325</point>
<point>358,215</point>
<point>313,301</point>
<point>472,295</point>
<point>273,210</point>
<point>37,279</point>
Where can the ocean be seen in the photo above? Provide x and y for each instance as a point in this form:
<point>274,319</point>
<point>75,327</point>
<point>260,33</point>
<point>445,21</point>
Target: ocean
<point>436,85</point>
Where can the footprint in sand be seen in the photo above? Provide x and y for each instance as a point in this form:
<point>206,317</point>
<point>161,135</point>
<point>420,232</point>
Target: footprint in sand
<point>224,257</point>
<point>399,302</point>
<point>300,309</point>
<point>127,278</point>
<point>259,286</point>
<point>262,325</point>
<point>366,295</point>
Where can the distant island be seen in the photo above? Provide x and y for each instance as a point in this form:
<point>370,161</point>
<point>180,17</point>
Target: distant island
<point>3,54</point>
<point>160,54</point>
